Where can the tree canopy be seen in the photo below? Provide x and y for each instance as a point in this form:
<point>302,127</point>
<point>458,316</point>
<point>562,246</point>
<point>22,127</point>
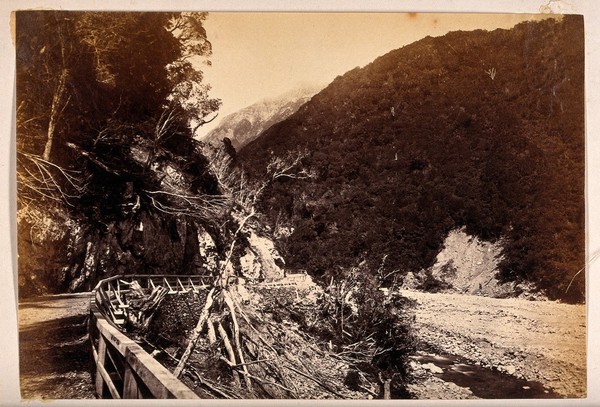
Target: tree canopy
<point>106,102</point>
<point>91,83</point>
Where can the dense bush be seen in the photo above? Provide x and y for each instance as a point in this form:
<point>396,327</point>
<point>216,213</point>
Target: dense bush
<point>104,145</point>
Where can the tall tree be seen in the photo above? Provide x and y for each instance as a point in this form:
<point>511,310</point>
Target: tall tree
<point>105,102</point>
<point>77,72</point>
<point>45,55</point>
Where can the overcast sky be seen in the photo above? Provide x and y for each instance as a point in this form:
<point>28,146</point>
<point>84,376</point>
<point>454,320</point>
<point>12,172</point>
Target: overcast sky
<point>258,55</point>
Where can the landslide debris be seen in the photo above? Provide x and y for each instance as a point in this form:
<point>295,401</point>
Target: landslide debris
<point>275,340</point>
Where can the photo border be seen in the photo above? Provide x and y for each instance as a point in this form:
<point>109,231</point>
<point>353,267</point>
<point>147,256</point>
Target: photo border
<point>9,360</point>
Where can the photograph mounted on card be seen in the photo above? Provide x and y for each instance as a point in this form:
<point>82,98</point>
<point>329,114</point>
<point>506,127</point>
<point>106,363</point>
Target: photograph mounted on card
<point>300,205</point>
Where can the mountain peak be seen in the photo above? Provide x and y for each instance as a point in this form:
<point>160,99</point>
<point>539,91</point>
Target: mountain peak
<point>243,126</point>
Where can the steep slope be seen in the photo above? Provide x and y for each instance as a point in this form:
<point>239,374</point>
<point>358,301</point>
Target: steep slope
<point>482,130</point>
<point>243,126</point>
<point>468,265</point>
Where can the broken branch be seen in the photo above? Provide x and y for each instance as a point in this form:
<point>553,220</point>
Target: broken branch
<point>195,334</point>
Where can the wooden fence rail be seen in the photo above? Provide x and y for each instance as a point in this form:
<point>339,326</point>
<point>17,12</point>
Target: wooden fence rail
<point>111,294</point>
<point>124,370</point>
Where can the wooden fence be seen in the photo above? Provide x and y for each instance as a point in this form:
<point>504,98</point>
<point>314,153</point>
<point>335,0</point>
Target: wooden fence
<point>110,295</point>
<point>124,370</point>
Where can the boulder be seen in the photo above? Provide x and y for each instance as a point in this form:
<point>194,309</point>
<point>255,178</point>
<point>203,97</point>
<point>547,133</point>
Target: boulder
<point>432,368</point>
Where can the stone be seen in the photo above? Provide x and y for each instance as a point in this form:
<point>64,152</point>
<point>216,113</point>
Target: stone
<point>433,368</point>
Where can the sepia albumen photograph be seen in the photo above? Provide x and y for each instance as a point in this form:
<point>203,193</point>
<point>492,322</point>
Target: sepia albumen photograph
<point>269,205</point>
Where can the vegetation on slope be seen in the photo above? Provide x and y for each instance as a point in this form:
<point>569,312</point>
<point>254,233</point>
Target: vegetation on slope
<point>477,129</point>
<point>105,155</point>
<point>111,181</point>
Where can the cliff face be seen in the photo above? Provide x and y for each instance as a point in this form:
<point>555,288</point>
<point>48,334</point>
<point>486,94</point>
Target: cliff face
<point>69,258</point>
<point>174,219</point>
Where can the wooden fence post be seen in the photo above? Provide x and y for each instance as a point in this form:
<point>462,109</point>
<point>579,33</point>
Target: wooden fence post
<point>130,386</point>
<point>123,368</point>
<point>100,365</point>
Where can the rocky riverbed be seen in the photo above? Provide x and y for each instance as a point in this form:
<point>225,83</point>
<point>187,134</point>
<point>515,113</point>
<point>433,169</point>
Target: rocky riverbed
<point>538,341</point>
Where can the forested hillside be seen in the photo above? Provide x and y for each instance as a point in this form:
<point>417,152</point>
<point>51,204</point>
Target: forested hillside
<point>109,177</point>
<point>477,129</point>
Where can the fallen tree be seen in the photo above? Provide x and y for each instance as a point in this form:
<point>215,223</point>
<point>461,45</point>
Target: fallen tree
<point>260,341</point>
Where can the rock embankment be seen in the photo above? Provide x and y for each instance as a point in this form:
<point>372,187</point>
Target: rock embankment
<point>469,265</point>
<point>540,341</point>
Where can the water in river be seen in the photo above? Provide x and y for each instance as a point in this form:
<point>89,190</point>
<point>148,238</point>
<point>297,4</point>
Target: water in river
<point>484,382</point>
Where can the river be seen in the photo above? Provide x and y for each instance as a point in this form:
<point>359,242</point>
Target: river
<point>502,348</point>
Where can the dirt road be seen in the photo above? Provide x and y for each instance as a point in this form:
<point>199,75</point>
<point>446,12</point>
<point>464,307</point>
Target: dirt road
<point>54,353</point>
<point>539,341</point>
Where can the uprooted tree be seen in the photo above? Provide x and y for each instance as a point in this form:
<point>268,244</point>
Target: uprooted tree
<point>242,196</point>
<point>254,342</point>
<point>289,345</point>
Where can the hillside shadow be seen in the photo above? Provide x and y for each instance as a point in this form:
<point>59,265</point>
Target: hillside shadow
<point>55,347</point>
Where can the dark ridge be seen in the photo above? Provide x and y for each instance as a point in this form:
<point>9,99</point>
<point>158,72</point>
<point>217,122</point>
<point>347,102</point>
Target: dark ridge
<point>477,129</point>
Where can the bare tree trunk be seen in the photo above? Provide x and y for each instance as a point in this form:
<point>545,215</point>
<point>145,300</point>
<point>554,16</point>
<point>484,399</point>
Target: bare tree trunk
<point>385,383</point>
<point>212,336</point>
<point>224,276</point>
<point>386,389</point>
<point>55,112</point>
<point>195,334</point>
<point>230,353</point>
<point>236,337</point>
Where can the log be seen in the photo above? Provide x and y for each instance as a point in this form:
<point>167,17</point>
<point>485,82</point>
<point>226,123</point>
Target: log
<point>230,352</point>
<point>212,336</point>
<point>195,334</point>
<point>236,337</point>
